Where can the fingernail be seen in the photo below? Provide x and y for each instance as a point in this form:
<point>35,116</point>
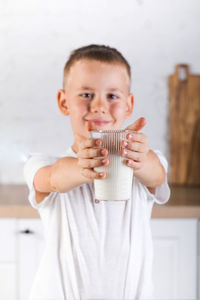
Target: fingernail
<point>102,152</point>
<point>125,144</point>
<point>98,142</point>
<point>130,136</point>
<point>125,152</point>
<point>130,163</point>
<point>103,161</point>
<point>101,174</point>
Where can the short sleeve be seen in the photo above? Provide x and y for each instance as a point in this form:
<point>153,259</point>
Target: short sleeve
<point>33,164</point>
<point>162,192</point>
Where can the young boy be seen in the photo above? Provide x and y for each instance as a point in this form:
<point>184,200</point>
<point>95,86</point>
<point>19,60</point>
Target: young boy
<point>96,250</point>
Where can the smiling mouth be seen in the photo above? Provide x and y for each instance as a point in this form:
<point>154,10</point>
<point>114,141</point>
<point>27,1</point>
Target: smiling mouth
<point>100,122</point>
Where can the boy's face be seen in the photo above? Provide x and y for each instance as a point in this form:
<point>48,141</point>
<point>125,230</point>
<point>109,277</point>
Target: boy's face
<point>97,92</point>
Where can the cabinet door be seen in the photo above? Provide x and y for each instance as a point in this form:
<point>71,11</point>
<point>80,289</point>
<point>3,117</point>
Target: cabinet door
<point>175,258</point>
<point>30,248</point>
<point>8,238</point>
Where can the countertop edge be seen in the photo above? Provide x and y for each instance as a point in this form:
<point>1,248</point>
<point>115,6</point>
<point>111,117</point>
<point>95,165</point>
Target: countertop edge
<point>159,211</point>
<point>18,212</point>
<point>176,211</point>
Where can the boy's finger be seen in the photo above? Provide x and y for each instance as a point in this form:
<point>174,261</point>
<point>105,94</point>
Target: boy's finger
<point>135,156</point>
<point>137,125</point>
<point>91,152</point>
<point>137,137</point>
<point>92,163</point>
<point>89,143</point>
<point>134,146</point>
<point>91,174</point>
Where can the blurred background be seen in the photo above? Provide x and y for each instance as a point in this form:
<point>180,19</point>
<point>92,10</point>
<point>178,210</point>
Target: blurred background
<point>154,36</point>
<point>36,40</point>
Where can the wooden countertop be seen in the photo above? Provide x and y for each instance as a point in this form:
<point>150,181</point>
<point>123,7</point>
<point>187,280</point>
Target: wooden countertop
<point>183,203</point>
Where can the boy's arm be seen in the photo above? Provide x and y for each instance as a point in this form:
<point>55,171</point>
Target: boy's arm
<point>145,163</point>
<point>152,172</point>
<point>67,173</point>
<point>61,177</point>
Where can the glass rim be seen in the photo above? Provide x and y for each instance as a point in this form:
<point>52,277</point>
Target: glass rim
<point>113,131</point>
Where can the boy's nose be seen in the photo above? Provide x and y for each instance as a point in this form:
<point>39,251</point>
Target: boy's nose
<point>98,106</point>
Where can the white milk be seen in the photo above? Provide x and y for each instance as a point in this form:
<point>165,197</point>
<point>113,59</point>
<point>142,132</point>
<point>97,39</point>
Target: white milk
<point>118,183</point>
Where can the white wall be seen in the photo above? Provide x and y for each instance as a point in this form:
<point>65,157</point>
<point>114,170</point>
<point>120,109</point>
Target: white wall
<point>36,39</point>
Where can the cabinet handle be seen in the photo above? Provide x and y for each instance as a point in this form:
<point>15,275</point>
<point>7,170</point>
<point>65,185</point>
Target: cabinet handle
<point>27,231</point>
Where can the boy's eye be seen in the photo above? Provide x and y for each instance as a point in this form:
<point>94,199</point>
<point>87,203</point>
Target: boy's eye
<point>112,96</point>
<point>86,95</point>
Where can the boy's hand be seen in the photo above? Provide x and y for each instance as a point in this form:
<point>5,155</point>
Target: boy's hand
<point>136,148</point>
<point>89,150</point>
<point>87,155</point>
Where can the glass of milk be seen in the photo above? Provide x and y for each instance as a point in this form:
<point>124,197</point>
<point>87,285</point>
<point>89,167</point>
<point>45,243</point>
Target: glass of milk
<point>118,183</point>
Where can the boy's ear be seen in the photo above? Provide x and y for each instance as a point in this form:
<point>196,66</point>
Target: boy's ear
<point>62,102</point>
<point>130,105</point>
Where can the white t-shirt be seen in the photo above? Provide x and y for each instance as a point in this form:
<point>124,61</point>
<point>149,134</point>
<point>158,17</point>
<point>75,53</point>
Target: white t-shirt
<point>94,250</point>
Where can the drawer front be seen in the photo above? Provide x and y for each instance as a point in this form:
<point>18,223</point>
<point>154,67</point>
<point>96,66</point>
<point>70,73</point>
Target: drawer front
<point>8,238</point>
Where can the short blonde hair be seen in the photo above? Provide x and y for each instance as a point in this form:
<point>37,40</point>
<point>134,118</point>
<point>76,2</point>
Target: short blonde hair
<point>96,52</point>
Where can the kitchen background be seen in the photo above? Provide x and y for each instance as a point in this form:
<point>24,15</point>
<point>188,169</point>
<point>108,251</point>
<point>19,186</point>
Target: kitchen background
<point>36,38</point>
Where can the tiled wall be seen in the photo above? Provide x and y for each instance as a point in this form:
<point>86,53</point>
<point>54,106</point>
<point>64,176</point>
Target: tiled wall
<point>36,38</point>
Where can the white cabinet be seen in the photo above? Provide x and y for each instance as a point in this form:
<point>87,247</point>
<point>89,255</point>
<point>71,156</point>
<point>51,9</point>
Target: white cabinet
<point>30,248</point>
<point>8,259</point>
<point>174,266</point>
<point>21,248</point>
<point>175,258</point>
